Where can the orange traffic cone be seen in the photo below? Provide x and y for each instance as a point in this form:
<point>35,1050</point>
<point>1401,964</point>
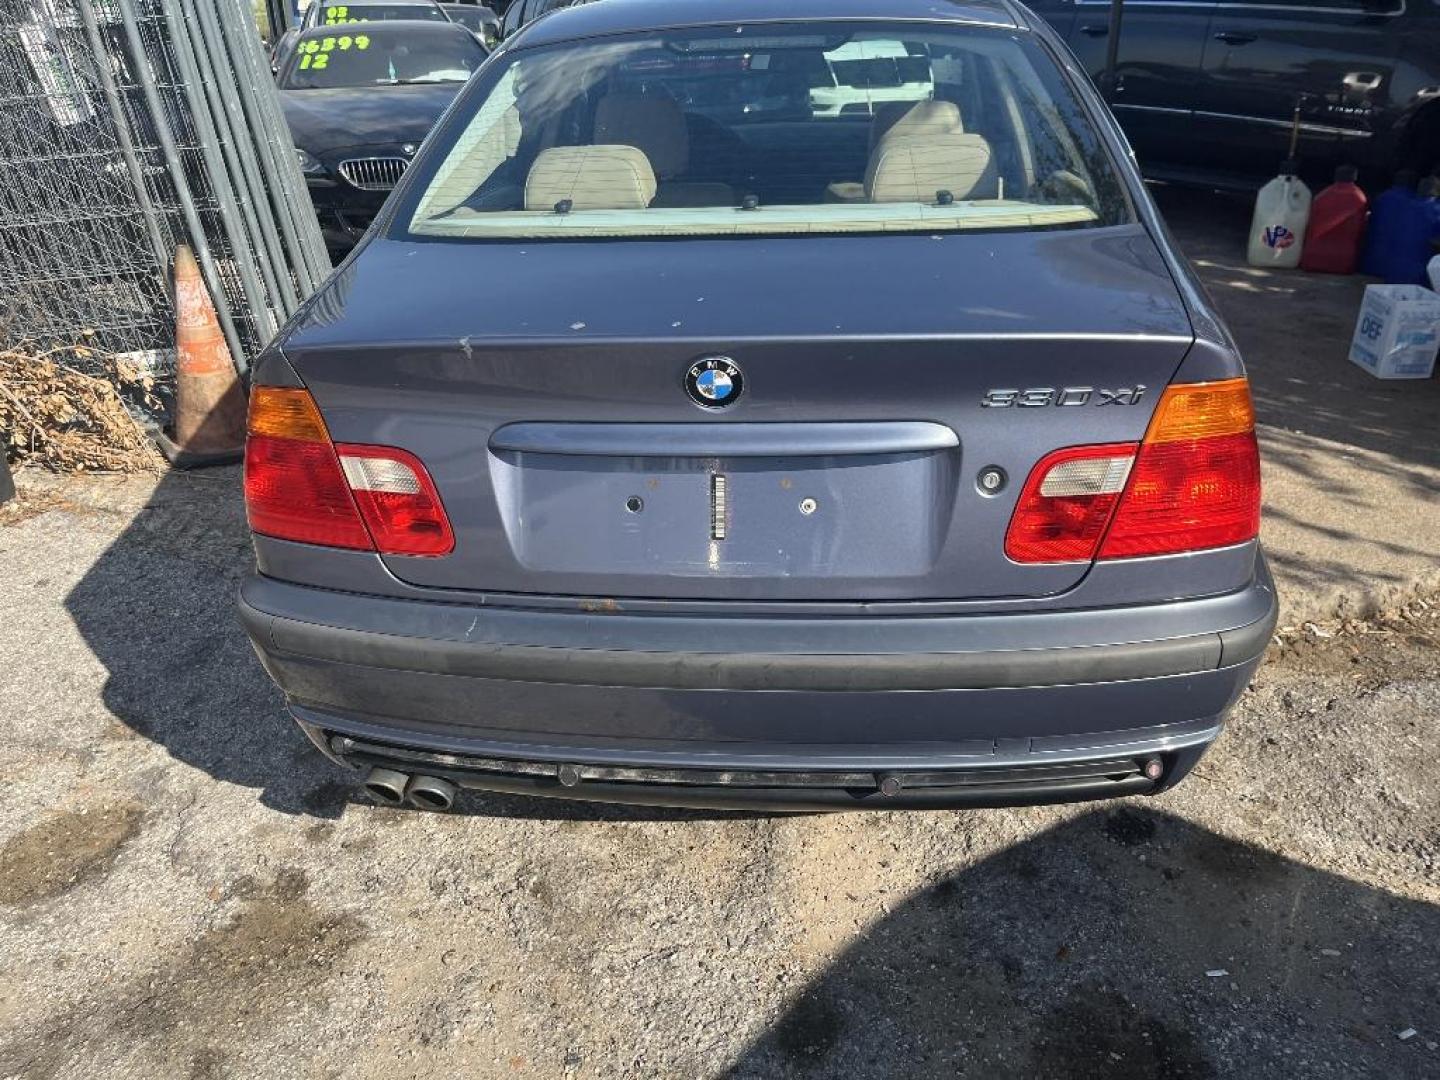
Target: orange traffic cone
<point>209,426</point>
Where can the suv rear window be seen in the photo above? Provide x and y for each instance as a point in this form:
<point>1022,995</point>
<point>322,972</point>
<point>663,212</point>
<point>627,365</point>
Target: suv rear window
<point>767,129</point>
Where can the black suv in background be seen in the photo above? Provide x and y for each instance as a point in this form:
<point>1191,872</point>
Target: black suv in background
<point>1207,91</point>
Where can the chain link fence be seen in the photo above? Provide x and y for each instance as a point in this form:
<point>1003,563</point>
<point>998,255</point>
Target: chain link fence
<point>126,128</point>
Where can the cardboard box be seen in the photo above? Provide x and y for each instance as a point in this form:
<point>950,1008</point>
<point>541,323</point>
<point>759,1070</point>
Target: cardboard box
<point>1398,332</point>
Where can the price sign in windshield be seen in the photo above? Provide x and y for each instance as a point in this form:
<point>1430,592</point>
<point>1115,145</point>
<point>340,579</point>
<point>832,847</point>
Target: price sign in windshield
<point>315,54</point>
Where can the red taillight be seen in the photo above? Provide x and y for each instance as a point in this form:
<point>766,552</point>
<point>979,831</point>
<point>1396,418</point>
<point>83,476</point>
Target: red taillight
<point>293,486</point>
<point>1185,496</point>
<point>296,486</point>
<point>1194,484</point>
<point>397,499</point>
<point>1067,502</point>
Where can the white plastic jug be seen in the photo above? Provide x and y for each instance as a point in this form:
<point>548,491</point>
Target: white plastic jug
<point>1277,231</point>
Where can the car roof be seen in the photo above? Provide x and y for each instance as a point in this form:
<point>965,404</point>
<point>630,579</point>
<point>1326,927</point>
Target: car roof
<point>376,3</point>
<point>626,16</point>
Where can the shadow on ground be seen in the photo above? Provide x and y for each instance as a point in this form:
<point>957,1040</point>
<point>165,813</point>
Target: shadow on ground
<point>157,608</point>
<point>1091,951</point>
<point>1294,330</point>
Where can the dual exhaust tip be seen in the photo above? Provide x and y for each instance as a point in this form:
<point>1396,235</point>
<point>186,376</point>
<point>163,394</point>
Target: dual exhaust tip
<point>391,788</point>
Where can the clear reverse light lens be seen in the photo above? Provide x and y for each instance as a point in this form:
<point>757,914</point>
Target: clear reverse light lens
<point>379,474</point>
<point>1095,476</point>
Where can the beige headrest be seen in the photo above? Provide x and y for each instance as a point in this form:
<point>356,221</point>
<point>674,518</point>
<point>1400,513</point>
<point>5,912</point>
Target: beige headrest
<point>654,124</point>
<point>914,169</point>
<point>921,118</point>
<point>591,177</point>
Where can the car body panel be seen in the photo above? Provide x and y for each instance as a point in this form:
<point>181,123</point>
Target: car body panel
<point>329,123</point>
<point>1163,47</point>
<point>1098,310</point>
<point>592,20</point>
<point>692,685</point>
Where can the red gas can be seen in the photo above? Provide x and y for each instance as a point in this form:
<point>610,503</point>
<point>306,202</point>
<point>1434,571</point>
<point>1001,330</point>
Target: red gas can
<point>1337,226</point>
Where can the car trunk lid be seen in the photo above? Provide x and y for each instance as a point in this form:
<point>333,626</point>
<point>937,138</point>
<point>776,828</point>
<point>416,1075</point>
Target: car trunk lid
<point>543,387</point>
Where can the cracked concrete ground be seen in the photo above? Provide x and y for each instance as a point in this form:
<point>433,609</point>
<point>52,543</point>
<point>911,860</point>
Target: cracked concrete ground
<point>187,890</point>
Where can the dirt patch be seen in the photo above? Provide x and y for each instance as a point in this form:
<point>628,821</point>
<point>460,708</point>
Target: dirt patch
<point>65,850</point>
<point>27,505</point>
<point>278,948</point>
<point>1401,643</point>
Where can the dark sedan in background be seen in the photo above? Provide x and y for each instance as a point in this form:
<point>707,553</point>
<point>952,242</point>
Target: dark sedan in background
<point>359,99</point>
<point>347,13</point>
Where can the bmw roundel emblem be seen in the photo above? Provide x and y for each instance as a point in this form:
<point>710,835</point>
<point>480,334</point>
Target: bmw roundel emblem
<point>714,382</point>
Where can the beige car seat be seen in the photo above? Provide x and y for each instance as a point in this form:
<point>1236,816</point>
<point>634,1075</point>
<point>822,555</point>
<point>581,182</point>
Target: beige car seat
<point>917,169</point>
<point>898,120</point>
<point>591,178</point>
<point>656,126</point>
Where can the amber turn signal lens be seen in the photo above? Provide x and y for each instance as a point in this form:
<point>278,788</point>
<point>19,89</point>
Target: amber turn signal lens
<point>282,412</point>
<point>1203,410</point>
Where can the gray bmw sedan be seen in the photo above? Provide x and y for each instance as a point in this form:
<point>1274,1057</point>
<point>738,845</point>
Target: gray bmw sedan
<point>756,404</point>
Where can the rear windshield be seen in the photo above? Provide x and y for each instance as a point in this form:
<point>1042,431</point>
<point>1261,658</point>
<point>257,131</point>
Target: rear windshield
<point>372,56</point>
<point>342,14</point>
<point>767,129</point>
<point>472,18</point>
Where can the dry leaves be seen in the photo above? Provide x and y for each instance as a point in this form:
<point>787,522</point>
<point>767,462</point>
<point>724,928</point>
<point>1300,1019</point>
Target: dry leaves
<point>53,413</point>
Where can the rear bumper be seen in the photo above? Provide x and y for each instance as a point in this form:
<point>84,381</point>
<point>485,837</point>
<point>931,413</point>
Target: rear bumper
<point>792,712</point>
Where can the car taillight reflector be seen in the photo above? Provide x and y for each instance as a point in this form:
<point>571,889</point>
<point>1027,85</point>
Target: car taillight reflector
<point>298,487</point>
<point>1194,483</point>
<point>1067,502</point>
<point>293,486</point>
<point>397,499</point>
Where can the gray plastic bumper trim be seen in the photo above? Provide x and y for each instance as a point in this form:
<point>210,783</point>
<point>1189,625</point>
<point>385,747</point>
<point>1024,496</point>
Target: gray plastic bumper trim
<point>624,651</point>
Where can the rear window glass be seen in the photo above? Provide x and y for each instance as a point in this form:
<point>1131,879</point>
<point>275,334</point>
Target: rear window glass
<point>472,18</point>
<point>375,56</point>
<point>344,14</point>
<point>767,129</point>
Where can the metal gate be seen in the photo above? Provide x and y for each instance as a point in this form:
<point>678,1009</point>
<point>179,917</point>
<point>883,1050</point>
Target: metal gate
<point>126,127</point>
